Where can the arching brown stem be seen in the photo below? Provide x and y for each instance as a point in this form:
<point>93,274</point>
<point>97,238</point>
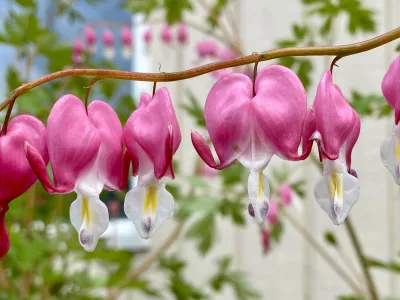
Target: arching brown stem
<point>344,50</point>
<point>88,88</point>
<point>334,61</point>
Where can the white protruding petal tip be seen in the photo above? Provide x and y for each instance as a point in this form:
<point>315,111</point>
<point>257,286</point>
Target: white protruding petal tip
<point>258,190</point>
<point>148,207</point>
<point>388,152</point>
<point>89,216</point>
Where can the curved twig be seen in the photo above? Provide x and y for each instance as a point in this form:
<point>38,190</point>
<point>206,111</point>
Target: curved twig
<point>344,50</point>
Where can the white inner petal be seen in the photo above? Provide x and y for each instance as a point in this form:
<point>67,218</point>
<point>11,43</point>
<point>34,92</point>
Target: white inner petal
<point>258,190</point>
<point>89,216</point>
<point>148,206</point>
<point>336,191</point>
<point>390,153</point>
<point>256,156</point>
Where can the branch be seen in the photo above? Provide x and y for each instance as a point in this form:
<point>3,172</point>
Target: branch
<point>324,254</point>
<point>363,261</point>
<point>147,263</point>
<point>344,50</point>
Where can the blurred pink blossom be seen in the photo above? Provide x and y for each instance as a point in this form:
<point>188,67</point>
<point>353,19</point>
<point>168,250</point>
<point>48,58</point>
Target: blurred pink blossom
<point>166,34</point>
<point>272,216</point>
<point>286,194</point>
<point>182,34</point>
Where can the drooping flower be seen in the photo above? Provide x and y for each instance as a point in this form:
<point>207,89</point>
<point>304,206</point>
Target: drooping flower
<point>126,39</point>
<point>77,54</point>
<point>16,175</point>
<point>390,148</point>
<point>286,194</point>
<point>335,126</point>
<point>273,213</point>
<point>108,41</point>
<point>250,128</point>
<point>265,240</point>
<point>85,150</point>
<point>182,34</point>
<point>207,48</point>
<point>152,136</point>
<point>90,36</point>
<point>147,36</point>
<point>166,34</point>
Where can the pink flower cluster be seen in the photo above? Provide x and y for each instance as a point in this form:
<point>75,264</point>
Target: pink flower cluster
<point>248,122</point>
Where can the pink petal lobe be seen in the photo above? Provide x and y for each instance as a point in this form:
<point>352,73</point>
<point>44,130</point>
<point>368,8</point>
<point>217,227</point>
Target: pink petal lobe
<point>16,175</point>
<point>155,130</point>
<point>145,99</point>
<point>280,106</point>
<point>308,131</point>
<point>391,87</point>
<point>73,141</point>
<point>228,119</point>
<point>352,139</point>
<point>334,116</point>
<point>110,156</point>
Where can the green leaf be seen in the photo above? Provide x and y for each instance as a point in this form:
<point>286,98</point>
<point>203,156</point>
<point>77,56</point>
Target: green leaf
<point>304,71</point>
<point>276,232</point>
<point>398,48</point>
<point>174,10</point>
<point>299,187</point>
<point>236,279</point>
<point>235,209</point>
<point>361,19</point>
<point>203,232</point>
<point>300,31</point>
<point>215,12</point>
<point>145,7</point>
<point>194,109</point>
<point>330,237</point>
<point>326,26</point>
<point>352,297</point>
<point>391,266</point>
<point>233,175</point>
<point>12,78</point>
<point>370,104</point>
<point>26,3</point>
<point>144,286</point>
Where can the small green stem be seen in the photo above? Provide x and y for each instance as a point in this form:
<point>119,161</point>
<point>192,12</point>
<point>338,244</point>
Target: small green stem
<point>363,261</point>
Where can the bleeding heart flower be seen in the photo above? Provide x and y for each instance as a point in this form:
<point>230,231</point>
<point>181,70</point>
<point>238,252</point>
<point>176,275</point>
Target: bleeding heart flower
<point>16,175</point>
<point>152,136</point>
<point>286,194</point>
<point>207,48</point>
<point>335,126</point>
<point>86,155</point>
<point>182,34</point>
<point>108,41</point>
<point>166,34</point>
<point>147,36</point>
<point>126,39</point>
<point>90,36</point>
<point>273,213</point>
<point>390,148</point>
<point>251,128</point>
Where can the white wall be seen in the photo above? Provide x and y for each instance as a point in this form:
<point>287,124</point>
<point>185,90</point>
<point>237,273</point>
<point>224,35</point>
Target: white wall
<point>293,270</point>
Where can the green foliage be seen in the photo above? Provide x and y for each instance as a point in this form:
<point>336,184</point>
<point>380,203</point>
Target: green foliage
<point>215,12</point>
<point>330,238</point>
<point>203,231</point>
<point>178,286</point>
<point>370,105</point>
<point>235,279</point>
<point>194,109</point>
<point>174,9</point>
<point>352,297</point>
<point>276,232</point>
<point>360,18</point>
<point>391,266</point>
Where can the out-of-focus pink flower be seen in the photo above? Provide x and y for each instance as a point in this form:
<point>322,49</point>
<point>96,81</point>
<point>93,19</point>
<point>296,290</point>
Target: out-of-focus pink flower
<point>113,207</point>
<point>147,36</point>
<point>166,34</point>
<point>286,194</point>
<point>227,54</point>
<point>265,240</point>
<point>206,171</point>
<point>182,34</point>
<point>207,48</point>
<point>108,41</point>
<point>272,216</point>
<point>126,39</point>
<point>90,36</point>
<point>77,52</point>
